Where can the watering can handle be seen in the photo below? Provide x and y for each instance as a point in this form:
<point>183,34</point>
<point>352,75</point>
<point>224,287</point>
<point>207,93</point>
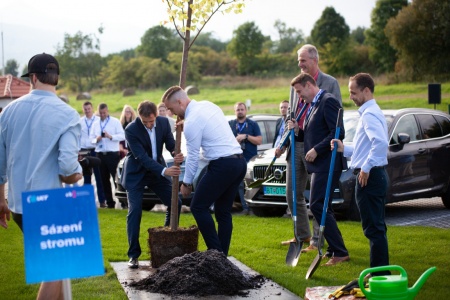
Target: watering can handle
<point>378,269</point>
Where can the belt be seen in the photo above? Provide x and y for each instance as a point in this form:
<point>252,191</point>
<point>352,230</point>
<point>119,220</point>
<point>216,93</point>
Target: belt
<point>232,156</point>
<point>357,170</point>
<point>109,153</point>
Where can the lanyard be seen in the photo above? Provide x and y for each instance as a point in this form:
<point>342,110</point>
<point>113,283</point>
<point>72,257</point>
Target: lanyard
<point>240,127</point>
<point>89,125</point>
<point>103,127</point>
<point>315,102</point>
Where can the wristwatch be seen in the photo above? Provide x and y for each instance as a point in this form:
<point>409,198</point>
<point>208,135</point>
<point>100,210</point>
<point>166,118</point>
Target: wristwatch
<point>246,136</point>
<point>188,185</point>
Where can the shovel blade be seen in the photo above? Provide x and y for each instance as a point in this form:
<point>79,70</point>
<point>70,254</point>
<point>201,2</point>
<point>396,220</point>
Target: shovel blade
<point>314,265</point>
<point>295,249</point>
<point>256,183</point>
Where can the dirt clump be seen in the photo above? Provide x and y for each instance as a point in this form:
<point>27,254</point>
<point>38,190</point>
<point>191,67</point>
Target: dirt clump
<point>199,274</point>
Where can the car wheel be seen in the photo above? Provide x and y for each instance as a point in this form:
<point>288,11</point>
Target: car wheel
<point>446,198</point>
<point>353,211</point>
<point>269,211</point>
<point>147,206</point>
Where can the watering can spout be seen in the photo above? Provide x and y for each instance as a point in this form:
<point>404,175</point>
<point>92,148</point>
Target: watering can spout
<point>419,283</point>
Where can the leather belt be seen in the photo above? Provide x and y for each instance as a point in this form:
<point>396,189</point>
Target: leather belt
<point>357,170</point>
<point>109,152</point>
<point>232,156</point>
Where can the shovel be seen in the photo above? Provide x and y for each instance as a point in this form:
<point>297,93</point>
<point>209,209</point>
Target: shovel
<point>316,262</point>
<point>268,176</point>
<point>295,248</point>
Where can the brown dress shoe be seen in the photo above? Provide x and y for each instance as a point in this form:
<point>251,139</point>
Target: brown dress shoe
<point>336,260</point>
<point>309,249</point>
<point>285,243</point>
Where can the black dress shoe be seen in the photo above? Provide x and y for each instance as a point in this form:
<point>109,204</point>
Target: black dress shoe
<point>133,263</point>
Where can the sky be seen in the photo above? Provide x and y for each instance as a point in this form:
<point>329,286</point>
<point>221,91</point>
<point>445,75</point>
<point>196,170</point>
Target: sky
<point>31,27</point>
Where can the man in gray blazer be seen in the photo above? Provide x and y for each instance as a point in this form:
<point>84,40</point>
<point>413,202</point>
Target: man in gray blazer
<point>308,62</point>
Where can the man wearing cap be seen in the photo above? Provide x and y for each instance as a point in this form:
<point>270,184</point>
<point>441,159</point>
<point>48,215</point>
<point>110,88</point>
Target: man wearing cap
<point>37,152</point>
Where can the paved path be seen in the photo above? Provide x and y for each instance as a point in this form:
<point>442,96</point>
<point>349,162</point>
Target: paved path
<point>420,212</point>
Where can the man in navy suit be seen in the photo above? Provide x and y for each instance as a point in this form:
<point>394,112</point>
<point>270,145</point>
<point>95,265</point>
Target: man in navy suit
<point>319,129</point>
<point>145,166</point>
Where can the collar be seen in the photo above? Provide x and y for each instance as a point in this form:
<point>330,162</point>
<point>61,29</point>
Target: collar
<point>366,105</point>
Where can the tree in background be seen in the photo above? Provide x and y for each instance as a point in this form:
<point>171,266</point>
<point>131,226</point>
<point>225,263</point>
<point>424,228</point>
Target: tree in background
<point>330,28</point>
<point>208,40</point>
<point>191,16</point>
<point>81,60</point>
<point>289,38</point>
<point>12,67</point>
<point>358,35</point>
<point>246,44</point>
<point>421,34</point>
<point>381,52</point>
<point>158,42</point>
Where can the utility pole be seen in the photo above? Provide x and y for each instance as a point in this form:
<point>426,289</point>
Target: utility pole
<point>3,57</point>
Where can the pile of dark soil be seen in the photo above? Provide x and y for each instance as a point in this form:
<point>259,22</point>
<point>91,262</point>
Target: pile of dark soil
<point>199,274</point>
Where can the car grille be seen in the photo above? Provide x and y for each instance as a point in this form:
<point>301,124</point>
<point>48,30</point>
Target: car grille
<point>259,171</point>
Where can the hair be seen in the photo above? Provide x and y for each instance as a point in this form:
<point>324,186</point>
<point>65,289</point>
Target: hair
<point>364,80</point>
<point>86,103</point>
<point>123,119</point>
<point>284,101</point>
<point>51,77</point>
<point>161,105</point>
<point>102,106</point>
<point>173,93</point>
<point>312,51</point>
<point>240,103</point>
<point>147,108</point>
<point>302,79</point>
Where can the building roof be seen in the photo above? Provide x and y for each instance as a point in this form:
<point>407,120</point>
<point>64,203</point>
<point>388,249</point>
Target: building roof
<point>12,87</point>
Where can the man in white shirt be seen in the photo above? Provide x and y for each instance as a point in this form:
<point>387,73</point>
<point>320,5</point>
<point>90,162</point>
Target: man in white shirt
<point>108,133</point>
<point>206,127</point>
<point>87,122</point>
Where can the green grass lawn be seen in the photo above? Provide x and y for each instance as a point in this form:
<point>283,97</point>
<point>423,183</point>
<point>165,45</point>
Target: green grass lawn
<point>256,243</point>
<point>266,96</point>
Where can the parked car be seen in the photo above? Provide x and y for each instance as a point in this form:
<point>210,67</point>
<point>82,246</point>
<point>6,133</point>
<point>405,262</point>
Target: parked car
<point>266,124</point>
<point>418,165</point>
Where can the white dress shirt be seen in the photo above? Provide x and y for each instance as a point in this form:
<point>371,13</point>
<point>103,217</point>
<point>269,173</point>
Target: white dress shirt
<point>206,127</point>
<point>112,126</point>
<point>86,129</point>
<point>370,144</point>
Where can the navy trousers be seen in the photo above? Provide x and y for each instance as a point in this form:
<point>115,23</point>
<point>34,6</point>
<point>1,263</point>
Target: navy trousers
<point>332,234</point>
<point>163,189</point>
<point>218,186</point>
<point>371,201</point>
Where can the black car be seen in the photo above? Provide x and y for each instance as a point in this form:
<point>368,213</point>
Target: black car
<point>266,124</point>
<point>418,165</point>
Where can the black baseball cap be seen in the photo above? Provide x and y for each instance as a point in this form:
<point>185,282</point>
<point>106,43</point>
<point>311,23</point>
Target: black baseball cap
<point>38,64</point>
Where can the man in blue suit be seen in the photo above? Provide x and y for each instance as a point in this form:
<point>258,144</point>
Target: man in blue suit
<point>319,129</point>
<point>145,166</point>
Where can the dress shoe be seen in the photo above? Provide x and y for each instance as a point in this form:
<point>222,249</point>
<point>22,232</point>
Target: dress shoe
<point>133,263</point>
<point>285,243</point>
<point>103,205</point>
<point>309,249</point>
<point>288,242</point>
<point>336,260</point>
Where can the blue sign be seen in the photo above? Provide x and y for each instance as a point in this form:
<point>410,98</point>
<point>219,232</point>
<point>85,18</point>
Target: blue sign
<point>61,234</point>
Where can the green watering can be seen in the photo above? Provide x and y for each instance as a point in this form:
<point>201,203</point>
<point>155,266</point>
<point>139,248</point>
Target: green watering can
<point>391,287</point>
